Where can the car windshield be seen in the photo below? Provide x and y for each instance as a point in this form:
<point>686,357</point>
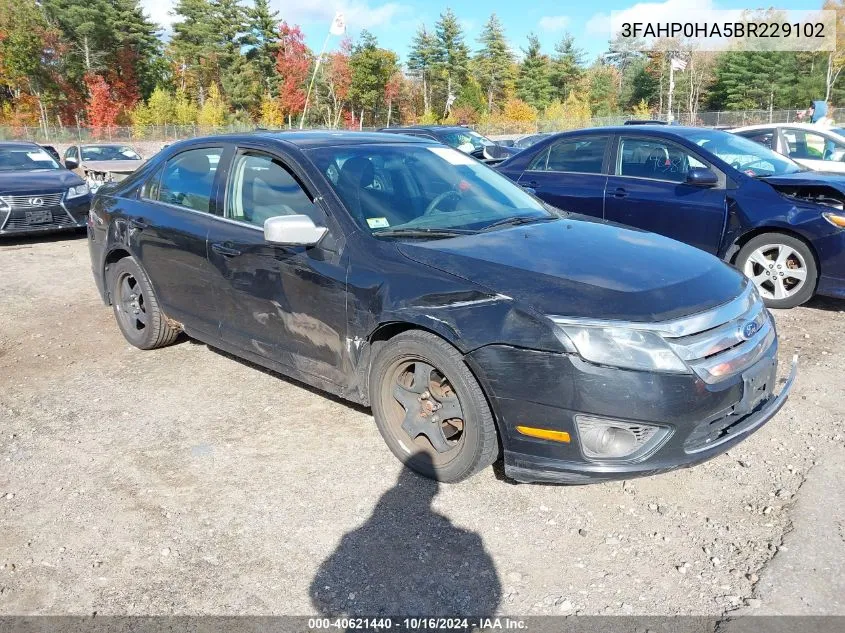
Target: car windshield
<point>25,159</point>
<point>463,139</point>
<point>743,154</point>
<point>108,152</point>
<point>404,188</point>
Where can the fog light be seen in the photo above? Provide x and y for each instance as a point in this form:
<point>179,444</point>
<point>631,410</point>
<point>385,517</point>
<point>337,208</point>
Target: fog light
<point>612,439</point>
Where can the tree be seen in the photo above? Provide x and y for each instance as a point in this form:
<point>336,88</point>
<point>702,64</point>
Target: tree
<point>213,111</point>
<point>101,109</point>
<point>533,84</point>
<point>336,79</point>
<point>422,59</point>
<point>372,67</point>
<point>567,66</point>
<point>494,62</point>
<point>603,85</point>
<point>836,58</point>
<point>391,92</point>
<point>262,40</point>
<point>293,60</point>
<point>451,55</point>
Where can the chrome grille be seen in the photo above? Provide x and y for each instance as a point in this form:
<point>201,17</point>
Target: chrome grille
<point>34,200</point>
<point>725,341</point>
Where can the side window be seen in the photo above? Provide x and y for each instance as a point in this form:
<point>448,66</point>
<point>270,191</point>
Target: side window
<point>152,186</point>
<point>188,178</point>
<point>656,159</point>
<point>819,147</point>
<point>764,137</point>
<point>580,155</point>
<point>261,187</point>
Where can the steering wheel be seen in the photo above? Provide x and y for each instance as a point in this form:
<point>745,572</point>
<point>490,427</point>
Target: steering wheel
<point>739,167</point>
<point>443,196</point>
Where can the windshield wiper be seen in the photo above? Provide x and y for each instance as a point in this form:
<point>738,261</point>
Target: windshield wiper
<point>517,220</point>
<point>421,232</point>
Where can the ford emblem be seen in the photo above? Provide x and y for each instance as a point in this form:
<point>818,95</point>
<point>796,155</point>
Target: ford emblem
<point>749,330</point>
<point>36,202</point>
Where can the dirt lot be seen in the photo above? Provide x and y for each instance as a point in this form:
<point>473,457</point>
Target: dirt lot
<point>185,481</point>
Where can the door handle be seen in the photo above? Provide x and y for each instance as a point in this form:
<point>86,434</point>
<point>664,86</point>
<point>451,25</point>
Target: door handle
<point>138,223</point>
<point>225,251</point>
<point>620,193</point>
<point>531,184</point>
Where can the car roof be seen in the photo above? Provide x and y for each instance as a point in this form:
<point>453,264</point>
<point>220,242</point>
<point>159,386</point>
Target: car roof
<point>426,128</point>
<point>309,139</point>
<point>629,130</point>
<point>18,144</point>
<point>810,127</point>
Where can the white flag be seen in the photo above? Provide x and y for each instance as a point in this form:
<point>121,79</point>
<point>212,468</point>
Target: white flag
<point>678,64</point>
<point>338,25</point>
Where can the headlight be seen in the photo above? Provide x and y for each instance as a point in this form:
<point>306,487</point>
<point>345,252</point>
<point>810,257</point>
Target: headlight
<point>78,191</point>
<point>836,219</point>
<point>622,347</point>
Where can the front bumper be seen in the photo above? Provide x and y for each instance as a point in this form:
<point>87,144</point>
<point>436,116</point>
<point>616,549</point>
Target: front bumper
<point>547,390</point>
<point>69,215</point>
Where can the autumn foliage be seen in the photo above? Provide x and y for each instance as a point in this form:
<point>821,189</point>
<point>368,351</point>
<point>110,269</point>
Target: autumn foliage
<point>101,109</point>
<point>292,63</point>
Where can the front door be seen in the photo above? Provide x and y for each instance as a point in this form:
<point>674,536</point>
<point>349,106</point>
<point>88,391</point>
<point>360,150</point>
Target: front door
<point>649,191</point>
<point>284,303</point>
<point>168,228</point>
<point>570,174</point>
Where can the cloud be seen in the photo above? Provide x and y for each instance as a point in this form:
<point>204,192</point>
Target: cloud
<point>359,15</point>
<point>553,23</point>
<point>668,11</point>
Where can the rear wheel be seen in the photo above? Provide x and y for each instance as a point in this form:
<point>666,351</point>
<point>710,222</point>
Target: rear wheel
<point>782,267</point>
<point>136,307</point>
<point>429,408</point>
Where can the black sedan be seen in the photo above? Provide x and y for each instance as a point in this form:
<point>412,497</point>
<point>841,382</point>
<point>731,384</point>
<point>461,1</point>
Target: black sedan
<point>476,321</point>
<point>461,138</point>
<point>37,194</point>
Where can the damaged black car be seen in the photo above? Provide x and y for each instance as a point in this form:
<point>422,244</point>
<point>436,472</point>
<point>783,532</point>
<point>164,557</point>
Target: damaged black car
<point>475,320</point>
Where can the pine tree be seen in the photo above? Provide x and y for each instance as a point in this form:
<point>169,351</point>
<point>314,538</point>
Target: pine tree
<point>567,66</point>
<point>371,67</point>
<point>262,38</point>
<point>422,59</point>
<point>494,62</point>
<point>451,54</point>
<point>533,84</point>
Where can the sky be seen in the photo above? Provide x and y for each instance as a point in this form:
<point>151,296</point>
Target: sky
<point>394,22</point>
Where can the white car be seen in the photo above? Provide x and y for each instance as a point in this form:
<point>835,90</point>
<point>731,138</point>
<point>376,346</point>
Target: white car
<point>817,148</point>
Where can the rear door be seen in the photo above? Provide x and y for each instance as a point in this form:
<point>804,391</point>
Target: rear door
<point>283,303</point>
<point>571,174</point>
<point>649,191</point>
<point>169,226</point>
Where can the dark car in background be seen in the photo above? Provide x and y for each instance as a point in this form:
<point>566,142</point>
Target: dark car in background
<point>782,226</point>
<point>470,316</point>
<point>37,194</point>
<point>461,138</point>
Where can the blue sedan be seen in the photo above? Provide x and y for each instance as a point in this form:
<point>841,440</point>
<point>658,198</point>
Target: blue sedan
<point>783,226</point>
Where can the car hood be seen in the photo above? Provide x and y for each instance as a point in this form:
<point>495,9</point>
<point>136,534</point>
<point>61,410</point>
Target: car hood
<point>581,268</point>
<point>40,180</point>
<point>119,166</point>
<point>808,178</point>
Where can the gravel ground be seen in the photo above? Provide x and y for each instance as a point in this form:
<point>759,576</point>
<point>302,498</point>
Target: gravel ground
<point>184,481</point>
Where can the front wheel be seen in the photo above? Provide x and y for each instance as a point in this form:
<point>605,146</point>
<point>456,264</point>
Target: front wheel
<point>430,409</point>
<point>782,267</point>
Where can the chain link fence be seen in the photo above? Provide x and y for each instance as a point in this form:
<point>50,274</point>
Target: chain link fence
<point>169,133</point>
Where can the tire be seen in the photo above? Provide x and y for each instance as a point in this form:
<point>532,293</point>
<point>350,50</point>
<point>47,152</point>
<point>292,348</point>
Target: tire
<point>407,407</point>
<point>782,267</point>
<point>136,307</point>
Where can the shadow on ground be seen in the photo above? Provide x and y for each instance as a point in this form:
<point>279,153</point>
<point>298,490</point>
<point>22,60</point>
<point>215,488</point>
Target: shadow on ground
<point>408,560</point>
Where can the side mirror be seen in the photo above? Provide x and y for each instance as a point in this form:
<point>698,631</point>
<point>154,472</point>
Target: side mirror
<point>292,230</point>
<point>701,177</point>
<point>70,163</point>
